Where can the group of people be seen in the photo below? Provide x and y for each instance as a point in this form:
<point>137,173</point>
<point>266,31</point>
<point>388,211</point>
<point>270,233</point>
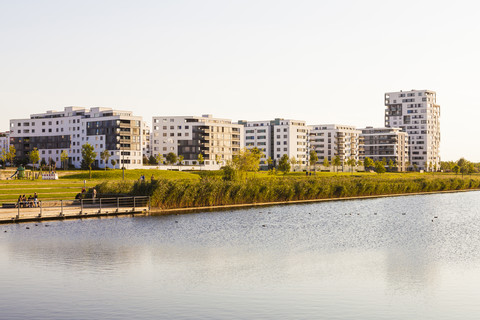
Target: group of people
<point>30,202</point>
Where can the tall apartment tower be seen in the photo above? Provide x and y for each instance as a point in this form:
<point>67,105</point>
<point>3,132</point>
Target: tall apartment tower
<point>331,140</point>
<point>417,113</point>
<point>52,132</point>
<point>276,138</point>
<point>218,140</point>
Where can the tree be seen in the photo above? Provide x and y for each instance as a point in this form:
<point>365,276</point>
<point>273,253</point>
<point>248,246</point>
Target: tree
<point>145,160</point>
<point>380,167</point>
<point>105,156</point>
<point>114,163</point>
<point>159,159</point>
<point>456,169</point>
<point>152,160</point>
<point>88,155</point>
<point>284,164</point>
<point>8,156</point>
<point>351,163</point>
<point>326,163</point>
<point>247,160</point>
<point>34,157</point>
<point>200,158</point>
<point>180,160</point>
<point>270,162</point>
<point>337,162</point>
<point>293,162</point>
<point>218,158</point>
<point>171,158</point>
<point>368,163</point>
<point>64,159</point>
<point>390,165</point>
<point>313,159</point>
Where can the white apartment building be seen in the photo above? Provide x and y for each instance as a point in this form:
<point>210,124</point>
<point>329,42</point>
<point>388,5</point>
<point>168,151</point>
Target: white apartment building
<point>4,141</point>
<point>389,144</point>
<point>276,138</point>
<point>146,140</point>
<point>331,140</point>
<point>417,113</point>
<point>52,132</point>
<point>218,140</point>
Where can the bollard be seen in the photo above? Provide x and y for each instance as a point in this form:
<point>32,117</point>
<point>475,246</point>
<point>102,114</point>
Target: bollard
<point>133,203</point>
<point>100,206</point>
<point>61,206</point>
<point>149,204</point>
<point>18,214</point>
<point>118,204</point>
<point>40,215</point>
<point>81,206</point>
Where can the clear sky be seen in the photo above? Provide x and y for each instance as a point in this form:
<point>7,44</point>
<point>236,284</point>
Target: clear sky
<point>320,61</point>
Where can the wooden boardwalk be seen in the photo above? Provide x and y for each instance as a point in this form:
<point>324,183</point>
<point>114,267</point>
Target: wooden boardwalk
<point>77,209</point>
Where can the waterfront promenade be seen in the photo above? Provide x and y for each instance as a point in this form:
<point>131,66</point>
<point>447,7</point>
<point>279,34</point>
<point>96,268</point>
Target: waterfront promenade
<point>75,209</point>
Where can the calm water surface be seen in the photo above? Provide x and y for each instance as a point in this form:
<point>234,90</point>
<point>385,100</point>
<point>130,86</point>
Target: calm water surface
<point>365,259</point>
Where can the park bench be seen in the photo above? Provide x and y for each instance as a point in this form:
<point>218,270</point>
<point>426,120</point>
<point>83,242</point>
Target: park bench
<point>9,205</point>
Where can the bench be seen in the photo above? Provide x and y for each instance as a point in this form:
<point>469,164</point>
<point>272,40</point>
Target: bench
<point>9,205</point>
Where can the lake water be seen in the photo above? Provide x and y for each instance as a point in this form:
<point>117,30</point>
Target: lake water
<point>415,257</point>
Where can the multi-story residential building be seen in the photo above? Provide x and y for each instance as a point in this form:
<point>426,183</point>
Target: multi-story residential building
<point>389,144</point>
<point>52,132</point>
<point>417,113</point>
<point>4,141</point>
<point>331,140</point>
<point>276,138</point>
<point>146,142</point>
<point>218,140</point>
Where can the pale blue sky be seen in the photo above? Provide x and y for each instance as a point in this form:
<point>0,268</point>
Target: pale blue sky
<point>320,61</point>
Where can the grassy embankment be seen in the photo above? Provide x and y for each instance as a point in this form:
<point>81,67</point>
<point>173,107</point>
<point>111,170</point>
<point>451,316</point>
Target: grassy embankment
<point>174,189</point>
<point>212,191</point>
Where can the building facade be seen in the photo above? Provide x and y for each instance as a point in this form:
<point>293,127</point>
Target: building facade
<point>52,132</point>
<point>332,140</point>
<point>276,138</point>
<point>417,113</point>
<point>4,141</point>
<point>218,140</point>
<point>389,144</point>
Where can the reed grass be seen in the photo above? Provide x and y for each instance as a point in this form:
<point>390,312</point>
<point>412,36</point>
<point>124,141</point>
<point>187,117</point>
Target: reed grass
<point>211,191</point>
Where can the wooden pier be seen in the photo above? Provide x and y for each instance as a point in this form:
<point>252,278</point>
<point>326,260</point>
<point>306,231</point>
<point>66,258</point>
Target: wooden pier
<point>75,209</point>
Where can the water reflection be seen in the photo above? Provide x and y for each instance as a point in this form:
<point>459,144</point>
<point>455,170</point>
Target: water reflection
<point>382,258</point>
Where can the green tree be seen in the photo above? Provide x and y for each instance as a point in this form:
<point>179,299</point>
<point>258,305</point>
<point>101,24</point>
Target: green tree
<point>379,167</point>
<point>64,159</point>
<point>105,156</point>
<point>368,163</point>
<point>88,155</point>
<point>270,162</point>
<point>293,162</point>
<point>284,164</point>
<point>456,169</point>
<point>180,160</point>
<point>34,157</point>
<point>390,165</point>
<point>114,163</point>
<point>337,162</point>
<point>200,159</point>
<point>159,158</point>
<point>326,163</point>
<point>351,163</point>
<point>171,158</point>
<point>313,159</point>
<point>152,160</point>
<point>8,156</point>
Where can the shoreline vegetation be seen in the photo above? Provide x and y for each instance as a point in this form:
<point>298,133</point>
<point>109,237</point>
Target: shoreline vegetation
<point>214,192</point>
